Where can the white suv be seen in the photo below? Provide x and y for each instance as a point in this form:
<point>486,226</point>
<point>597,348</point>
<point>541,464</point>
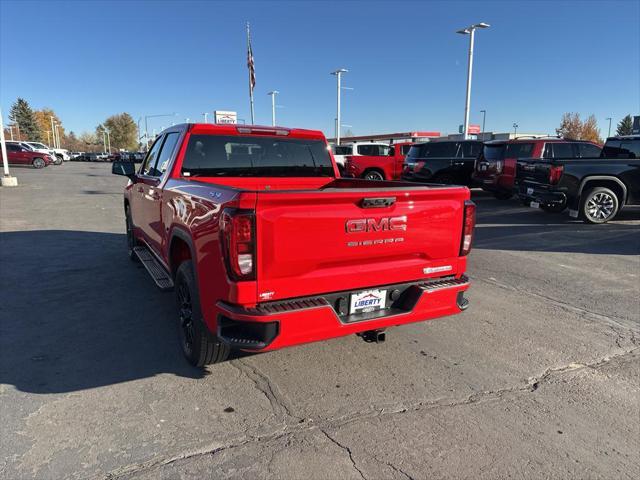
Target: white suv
<point>374,149</point>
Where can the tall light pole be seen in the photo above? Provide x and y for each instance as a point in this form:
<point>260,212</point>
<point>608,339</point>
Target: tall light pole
<point>515,129</point>
<point>470,30</point>
<point>609,134</point>
<point>108,140</point>
<point>338,73</point>
<point>205,115</point>
<point>56,135</point>
<point>53,130</point>
<point>104,140</point>
<point>484,118</point>
<point>48,137</point>
<point>11,131</point>
<point>273,94</point>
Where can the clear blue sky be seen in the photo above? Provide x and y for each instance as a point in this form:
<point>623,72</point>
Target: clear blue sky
<point>88,60</point>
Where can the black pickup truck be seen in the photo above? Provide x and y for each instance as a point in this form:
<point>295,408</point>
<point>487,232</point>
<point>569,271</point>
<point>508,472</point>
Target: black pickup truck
<point>442,161</point>
<point>594,189</point>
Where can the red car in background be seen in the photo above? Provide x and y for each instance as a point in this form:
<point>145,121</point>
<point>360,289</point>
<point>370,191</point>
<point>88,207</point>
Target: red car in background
<point>376,167</point>
<point>20,155</point>
<point>495,169</point>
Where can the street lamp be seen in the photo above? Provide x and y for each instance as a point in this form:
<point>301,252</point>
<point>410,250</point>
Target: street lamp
<point>146,125</point>
<point>108,140</point>
<point>484,117</point>
<point>273,94</point>
<point>205,115</point>
<point>609,134</point>
<point>338,73</point>
<point>470,30</point>
<point>515,129</point>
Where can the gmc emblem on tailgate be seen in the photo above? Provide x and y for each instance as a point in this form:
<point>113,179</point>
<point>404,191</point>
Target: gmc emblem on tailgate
<point>376,224</point>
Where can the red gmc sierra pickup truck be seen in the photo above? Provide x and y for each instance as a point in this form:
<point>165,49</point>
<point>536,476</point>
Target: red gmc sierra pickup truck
<point>266,247</point>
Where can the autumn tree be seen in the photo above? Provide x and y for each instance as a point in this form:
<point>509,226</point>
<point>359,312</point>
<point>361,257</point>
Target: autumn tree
<point>22,115</point>
<point>89,142</point>
<point>123,131</point>
<point>43,118</point>
<point>572,127</point>
<point>625,127</point>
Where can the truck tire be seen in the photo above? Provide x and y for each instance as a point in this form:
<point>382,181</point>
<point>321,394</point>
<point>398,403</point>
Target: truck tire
<point>373,175</point>
<point>58,160</point>
<point>199,346</point>
<point>599,205</point>
<point>38,163</point>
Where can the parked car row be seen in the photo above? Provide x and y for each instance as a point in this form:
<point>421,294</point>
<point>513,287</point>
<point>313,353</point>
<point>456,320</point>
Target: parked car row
<point>550,173</point>
<point>108,157</point>
<point>21,153</point>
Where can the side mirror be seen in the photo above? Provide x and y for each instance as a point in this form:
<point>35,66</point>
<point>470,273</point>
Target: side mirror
<point>126,169</point>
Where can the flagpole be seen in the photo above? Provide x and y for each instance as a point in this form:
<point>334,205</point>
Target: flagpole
<point>249,49</point>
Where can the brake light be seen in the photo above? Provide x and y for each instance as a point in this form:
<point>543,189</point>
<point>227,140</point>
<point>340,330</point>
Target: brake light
<point>468,225</point>
<point>555,172</point>
<point>418,166</point>
<point>237,228</point>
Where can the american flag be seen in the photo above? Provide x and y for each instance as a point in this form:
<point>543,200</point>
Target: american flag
<point>251,67</point>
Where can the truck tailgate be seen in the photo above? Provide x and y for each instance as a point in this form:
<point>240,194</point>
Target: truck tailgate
<point>533,170</point>
<point>312,242</point>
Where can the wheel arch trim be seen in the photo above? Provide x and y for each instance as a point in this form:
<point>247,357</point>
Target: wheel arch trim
<point>612,178</point>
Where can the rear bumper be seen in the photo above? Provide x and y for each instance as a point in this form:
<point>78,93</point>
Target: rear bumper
<point>543,197</point>
<point>276,325</point>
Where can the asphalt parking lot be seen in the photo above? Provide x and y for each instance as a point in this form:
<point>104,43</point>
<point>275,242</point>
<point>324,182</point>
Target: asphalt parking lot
<point>538,379</point>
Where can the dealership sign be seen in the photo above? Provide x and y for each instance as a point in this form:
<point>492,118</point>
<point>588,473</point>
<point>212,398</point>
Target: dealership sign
<point>473,129</point>
<point>225,117</point>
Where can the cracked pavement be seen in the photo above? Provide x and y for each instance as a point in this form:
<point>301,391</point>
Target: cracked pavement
<point>540,378</point>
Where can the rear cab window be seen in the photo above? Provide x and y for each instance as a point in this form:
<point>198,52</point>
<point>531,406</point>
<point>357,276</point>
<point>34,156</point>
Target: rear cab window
<point>255,156</point>
<point>343,150</point>
<point>373,150</point>
<point>626,148</point>
<point>519,150</point>
<point>494,152</point>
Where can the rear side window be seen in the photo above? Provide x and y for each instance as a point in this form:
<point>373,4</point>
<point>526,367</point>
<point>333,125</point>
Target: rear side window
<point>586,150</point>
<point>405,149</point>
<point>348,150</point>
<point>12,147</point>
<point>373,150</point>
<point>440,149</point>
<point>471,149</point>
<point>559,150</point>
<point>254,156</point>
<point>519,150</point>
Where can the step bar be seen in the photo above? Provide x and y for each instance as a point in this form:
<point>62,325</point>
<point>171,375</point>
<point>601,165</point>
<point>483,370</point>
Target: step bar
<point>154,268</point>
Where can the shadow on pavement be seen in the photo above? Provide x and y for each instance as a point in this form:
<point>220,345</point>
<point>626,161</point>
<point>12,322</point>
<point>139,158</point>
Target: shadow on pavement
<point>507,225</point>
<point>77,314</point>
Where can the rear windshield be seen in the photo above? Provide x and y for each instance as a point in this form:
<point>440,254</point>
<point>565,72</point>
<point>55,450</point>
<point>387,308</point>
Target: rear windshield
<point>494,152</point>
<point>519,150</point>
<point>626,148</point>
<point>343,150</point>
<point>253,156</point>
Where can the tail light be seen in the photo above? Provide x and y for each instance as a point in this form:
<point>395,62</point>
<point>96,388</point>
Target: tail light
<point>237,228</point>
<point>468,224</point>
<point>418,166</point>
<point>555,172</point>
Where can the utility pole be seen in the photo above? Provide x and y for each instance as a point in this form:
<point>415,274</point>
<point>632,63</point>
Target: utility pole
<point>609,134</point>
<point>7,180</point>
<point>273,94</point>
<point>338,73</point>
<point>470,30</point>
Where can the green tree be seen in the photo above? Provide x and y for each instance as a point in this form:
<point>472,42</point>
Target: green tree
<point>625,127</point>
<point>22,115</point>
<point>123,131</point>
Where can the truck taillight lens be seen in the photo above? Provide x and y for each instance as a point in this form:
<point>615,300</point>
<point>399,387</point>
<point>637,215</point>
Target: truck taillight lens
<point>237,229</point>
<point>555,172</point>
<point>468,225</point>
<point>418,166</point>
